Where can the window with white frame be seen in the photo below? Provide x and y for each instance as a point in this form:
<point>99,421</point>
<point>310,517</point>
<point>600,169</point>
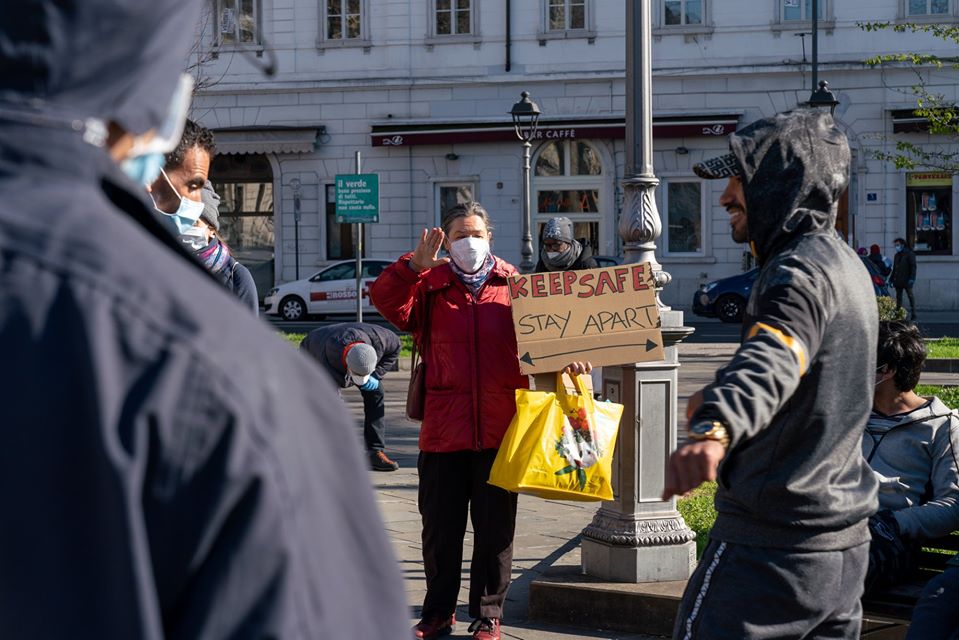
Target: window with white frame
<point>927,8</point>
<point>683,12</point>
<point>343,21</point>
<point>567,15</point>
<point>450,194</point>
<point>237,22</point>
<point>452,17</point>
<point>683,204</point>
<point>568,181</point>
<point>800,10</point>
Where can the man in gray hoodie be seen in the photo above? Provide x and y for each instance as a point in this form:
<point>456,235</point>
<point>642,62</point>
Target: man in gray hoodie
<point>783,419</point>
<point>911,443</point>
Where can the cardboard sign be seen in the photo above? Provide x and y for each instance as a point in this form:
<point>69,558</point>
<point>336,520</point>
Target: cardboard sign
<point>606,316</point>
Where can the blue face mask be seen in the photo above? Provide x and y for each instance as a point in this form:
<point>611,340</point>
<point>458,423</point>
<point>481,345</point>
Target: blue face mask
<point>186,214</point>
<point>898,248</point>
<point>145,169</point>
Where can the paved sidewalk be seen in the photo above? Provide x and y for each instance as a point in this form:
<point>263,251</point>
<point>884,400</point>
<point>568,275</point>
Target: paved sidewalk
<point>547,532</point>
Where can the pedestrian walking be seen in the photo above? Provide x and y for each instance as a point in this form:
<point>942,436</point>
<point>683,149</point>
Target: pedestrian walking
<point>904,274</point>
<point>559,250</point>
<point>360,354</point>
<point>783,420</point>
<point>169,468</point>
<point>458,310</point>
<point>882,263</point>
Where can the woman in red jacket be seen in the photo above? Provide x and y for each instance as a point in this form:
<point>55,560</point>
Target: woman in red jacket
<point>459,310</point>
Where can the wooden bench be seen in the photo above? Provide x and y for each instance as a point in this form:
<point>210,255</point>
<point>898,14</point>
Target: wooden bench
<point>892,608</point>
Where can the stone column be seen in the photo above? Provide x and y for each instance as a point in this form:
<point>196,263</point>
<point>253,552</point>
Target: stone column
<point>637,537</point>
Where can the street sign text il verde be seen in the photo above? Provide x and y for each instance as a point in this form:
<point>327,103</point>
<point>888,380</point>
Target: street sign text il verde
<point>358,197</point>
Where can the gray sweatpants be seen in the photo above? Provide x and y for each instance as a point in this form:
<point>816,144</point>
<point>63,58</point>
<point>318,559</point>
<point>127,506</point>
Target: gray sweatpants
<point>741,592</point>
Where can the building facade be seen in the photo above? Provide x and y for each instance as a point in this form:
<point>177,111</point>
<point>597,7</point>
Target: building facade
<point>423,89</point>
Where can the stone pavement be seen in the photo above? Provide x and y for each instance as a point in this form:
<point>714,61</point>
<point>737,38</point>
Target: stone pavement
<point>547,532</point>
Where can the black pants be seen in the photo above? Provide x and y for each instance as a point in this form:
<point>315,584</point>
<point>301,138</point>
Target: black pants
<point>450,485</point>
<point>912,299</point>
<point>740,592</point>
<point>374,419</point>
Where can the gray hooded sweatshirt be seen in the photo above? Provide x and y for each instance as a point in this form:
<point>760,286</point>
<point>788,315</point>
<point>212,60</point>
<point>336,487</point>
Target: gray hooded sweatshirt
<point>914,457</point>
<point>796,395</point>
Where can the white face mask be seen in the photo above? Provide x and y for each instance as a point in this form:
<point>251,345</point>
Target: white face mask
<point>194,238</point>
<point>357,379</point>
<point>470,253</point>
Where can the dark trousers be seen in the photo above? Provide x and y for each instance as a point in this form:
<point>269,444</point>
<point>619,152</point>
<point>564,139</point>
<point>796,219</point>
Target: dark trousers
<point>936,614</point>
<point>374,419</point>
<point>912,299</point>
<point>740,592</point>
<point>450,485</point>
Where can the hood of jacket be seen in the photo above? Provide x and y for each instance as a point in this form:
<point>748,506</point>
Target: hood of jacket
<point>794,165</point>
<point>114,60</point>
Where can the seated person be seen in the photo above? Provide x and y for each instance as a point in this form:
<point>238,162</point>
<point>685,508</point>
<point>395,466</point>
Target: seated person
<point>911,444</point>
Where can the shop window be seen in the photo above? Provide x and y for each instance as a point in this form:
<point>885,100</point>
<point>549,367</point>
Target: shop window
<point>245,186</point>
<point>929,212</point>
<point>450,194</point>
<point>340,236</point>
<point>684,217</point>
<point>568,182</point>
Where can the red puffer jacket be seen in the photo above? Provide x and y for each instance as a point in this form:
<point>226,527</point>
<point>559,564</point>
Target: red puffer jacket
<point>471,367</point>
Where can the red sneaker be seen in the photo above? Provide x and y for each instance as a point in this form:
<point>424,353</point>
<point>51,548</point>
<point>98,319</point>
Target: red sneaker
<point>485,629</point>
<point>435,627</point>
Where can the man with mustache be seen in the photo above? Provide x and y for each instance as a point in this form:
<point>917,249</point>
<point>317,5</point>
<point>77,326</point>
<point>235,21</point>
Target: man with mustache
<point>780,426</point>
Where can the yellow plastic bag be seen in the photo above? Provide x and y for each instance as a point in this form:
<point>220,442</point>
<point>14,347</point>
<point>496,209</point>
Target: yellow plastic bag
<point>559,445</point>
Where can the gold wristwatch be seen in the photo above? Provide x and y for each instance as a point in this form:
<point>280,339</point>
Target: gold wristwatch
<point>710,430</point>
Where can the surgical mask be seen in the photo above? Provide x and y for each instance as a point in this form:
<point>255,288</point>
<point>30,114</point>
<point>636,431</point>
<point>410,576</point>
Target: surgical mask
<point>145,160</point>
<point>898,248</point>
<point>185,215</point>
<point>357,379</point>
<point>194,238</point>
<point>145,169</point>
<point>470,253</point>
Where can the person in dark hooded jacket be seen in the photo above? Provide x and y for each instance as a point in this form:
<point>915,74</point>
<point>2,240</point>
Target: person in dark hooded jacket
<point>559,250</point>
<point>783,419</point>
<point>168,469</point>
<point>359,353</point>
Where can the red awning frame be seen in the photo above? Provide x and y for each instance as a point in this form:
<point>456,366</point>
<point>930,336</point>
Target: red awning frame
<point>443,133</point>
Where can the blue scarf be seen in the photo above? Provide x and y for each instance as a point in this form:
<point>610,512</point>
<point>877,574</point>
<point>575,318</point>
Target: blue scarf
<point>475,281</point>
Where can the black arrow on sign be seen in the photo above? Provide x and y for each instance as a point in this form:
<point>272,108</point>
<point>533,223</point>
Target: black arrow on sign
<point>528,359</point>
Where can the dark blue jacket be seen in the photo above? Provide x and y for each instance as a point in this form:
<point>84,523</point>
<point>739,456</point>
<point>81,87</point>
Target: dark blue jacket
<point>168,469</point>
<point>326,345</point>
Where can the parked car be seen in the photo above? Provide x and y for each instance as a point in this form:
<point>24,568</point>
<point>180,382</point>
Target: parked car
<point>726,298</point>
<point>331,290</point>
<point>608,261</point>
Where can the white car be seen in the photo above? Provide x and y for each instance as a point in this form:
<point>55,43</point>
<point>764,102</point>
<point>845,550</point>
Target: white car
<point>331,290</point>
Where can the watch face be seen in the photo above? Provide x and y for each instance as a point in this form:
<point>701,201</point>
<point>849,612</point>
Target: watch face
<point>701,428</point>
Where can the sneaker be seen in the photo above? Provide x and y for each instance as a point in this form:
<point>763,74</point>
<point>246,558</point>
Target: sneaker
<point>485,629</point>
<point>434,627</point>
<point>379,462</point>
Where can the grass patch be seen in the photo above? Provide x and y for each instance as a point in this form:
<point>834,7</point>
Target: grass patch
<point>698,512</point>
<point>943,348</point>
<point>406,340</point>
<point>949,395</point>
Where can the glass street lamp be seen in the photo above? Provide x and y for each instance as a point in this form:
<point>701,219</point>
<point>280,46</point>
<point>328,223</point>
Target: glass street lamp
<point>525,119</point>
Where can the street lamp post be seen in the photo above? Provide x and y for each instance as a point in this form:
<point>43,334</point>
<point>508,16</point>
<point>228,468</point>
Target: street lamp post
<point>821,96</point>
<point>637,536</point>
<point>525,119</point>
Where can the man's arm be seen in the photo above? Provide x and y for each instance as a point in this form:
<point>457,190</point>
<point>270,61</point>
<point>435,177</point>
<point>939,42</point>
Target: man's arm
<point>391,353</point>
<point>763,374</point>
<point>940,515</point>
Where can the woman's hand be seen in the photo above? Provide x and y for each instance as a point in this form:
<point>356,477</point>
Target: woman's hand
<point>424,256</point>
<point>576,368</point>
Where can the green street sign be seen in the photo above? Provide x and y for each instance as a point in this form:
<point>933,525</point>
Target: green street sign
<point>358,197</point>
